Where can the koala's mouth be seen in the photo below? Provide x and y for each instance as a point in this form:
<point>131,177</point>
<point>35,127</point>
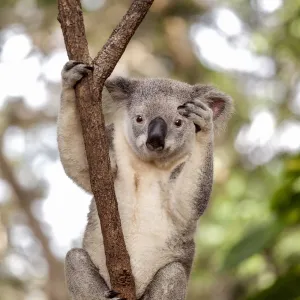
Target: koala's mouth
<point>155,147</point>
<point>157,153</point>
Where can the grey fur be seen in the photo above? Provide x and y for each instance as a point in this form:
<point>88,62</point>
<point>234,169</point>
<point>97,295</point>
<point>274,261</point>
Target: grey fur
<point>110,135</point>
<point>83,280</point>
<point>176,171</point>
<point>161,194</point>
<point>205,180</point>
<point>169,283</point>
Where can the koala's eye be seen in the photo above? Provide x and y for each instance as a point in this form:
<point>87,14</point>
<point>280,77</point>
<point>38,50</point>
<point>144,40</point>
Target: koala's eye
<point>139,119</point>
<point>178,123</point>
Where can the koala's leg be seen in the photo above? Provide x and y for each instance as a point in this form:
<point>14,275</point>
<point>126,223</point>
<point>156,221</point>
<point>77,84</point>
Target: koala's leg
<point>83,279</point>
<point>70,139</point>
<point>169,283</point>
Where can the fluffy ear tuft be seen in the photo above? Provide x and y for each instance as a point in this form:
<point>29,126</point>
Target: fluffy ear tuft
<point>220,103</point>
<point>120,88</point>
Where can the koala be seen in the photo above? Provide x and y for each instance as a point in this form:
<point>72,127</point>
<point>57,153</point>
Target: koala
<point>161,135</point>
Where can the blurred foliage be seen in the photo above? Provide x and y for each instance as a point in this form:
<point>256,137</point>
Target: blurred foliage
<point>285,287</point>
<point>249,238</point>
<point>255,240</point>
<point>286,200</point>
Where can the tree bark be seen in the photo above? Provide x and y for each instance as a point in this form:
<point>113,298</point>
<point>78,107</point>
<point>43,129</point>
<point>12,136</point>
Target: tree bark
<point>88,94</point>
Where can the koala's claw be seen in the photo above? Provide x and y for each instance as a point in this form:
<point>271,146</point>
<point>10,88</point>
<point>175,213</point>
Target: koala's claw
<point>199,113</point>
<point>70,64</point>
<point>73,71</point>
<point>111,294</point>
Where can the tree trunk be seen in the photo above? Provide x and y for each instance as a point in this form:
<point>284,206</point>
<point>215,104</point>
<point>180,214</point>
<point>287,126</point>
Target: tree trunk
<point>88,94</point>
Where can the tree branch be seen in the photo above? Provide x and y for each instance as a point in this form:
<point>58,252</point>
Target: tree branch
<point>55,288</point>
<point>88,94</point>
<point>107,58</point>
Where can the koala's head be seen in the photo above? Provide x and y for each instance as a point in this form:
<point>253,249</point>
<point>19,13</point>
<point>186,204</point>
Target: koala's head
<point>153,126</point>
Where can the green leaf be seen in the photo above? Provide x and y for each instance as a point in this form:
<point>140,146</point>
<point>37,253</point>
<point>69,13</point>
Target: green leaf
<point>286,200</point>
<point>286,287</point>
<point>254,241</point>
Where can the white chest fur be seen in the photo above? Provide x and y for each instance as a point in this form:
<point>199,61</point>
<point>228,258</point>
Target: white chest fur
<point>143,200</point>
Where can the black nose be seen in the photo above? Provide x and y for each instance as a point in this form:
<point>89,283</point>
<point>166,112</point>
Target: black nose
<point>157,131</point>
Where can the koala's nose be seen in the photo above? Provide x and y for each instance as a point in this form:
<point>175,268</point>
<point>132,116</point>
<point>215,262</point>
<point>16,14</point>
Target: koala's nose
<point>157,131</point>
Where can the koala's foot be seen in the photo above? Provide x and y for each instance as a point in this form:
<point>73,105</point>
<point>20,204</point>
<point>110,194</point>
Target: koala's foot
<point>72,72</point>
<point>199,113</point>
<point>169,283</point>
<point>82,277</point>
<point>113,295</point>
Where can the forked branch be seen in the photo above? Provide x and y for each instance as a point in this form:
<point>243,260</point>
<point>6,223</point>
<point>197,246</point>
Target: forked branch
<point>88,95</point>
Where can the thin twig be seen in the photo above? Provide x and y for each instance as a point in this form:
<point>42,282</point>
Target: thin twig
<point>55,289</point>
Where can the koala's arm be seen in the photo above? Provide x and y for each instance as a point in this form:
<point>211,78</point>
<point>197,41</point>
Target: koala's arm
<point>194,183</point>
<point>209,111</point>
<point>70,140</point>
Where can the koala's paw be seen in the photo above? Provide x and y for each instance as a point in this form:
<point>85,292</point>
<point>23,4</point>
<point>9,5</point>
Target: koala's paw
<point>73,71</point>
<point>113,295</point>
<point>199,113</point>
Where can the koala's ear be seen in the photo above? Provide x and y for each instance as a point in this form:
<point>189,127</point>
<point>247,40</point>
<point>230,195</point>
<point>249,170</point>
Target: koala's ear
<point>220,103</point>
<point>120,88</point>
